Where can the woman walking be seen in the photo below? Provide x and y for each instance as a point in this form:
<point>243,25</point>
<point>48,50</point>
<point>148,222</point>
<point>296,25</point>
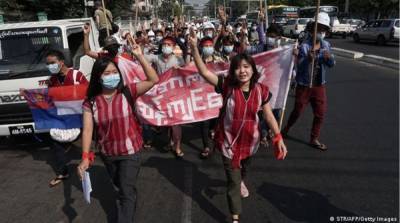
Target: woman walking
<point>109,112</point>
<point>237,134</point>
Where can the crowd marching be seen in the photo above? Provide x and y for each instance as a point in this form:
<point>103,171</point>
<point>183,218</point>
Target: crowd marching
<point>245,119</point>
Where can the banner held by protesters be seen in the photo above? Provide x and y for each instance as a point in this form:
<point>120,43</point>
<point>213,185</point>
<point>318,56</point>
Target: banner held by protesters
<point>183,96</point>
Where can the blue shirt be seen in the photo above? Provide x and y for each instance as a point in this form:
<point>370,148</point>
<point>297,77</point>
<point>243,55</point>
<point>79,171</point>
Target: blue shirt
<point>304,63</point>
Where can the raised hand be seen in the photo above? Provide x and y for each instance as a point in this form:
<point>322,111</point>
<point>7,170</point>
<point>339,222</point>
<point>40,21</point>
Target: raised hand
<point>136,50</point>
<point>192,38</point>
<point>221,13</point>
<point>86,29</point>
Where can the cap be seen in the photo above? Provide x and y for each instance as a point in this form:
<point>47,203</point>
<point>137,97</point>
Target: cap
<point>208,25</point>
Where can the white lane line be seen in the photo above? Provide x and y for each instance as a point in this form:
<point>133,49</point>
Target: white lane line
<point>187,195</point>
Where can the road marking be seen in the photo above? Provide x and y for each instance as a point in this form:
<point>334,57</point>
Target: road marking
<point>187,194</point>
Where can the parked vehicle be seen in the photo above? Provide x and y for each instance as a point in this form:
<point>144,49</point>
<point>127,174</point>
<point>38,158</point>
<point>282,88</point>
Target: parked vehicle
<point>23,47</point>
<point>295,26</point>
<point>338,28</point>
<point>354,23</point>
<point>381,31</point>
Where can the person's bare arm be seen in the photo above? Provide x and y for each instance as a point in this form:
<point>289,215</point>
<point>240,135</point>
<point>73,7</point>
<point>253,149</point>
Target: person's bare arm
<point>152,77</point>
<point>203,70</point>
<point>86,45</point>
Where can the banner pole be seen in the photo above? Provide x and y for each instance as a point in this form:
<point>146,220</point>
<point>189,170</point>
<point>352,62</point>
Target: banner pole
<point>105,17</point>
<point>288,86</point>
<point>136,16</point>
<point>314,43</point>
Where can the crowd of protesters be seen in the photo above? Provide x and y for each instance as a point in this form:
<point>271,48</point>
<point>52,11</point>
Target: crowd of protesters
<point>246,117</point>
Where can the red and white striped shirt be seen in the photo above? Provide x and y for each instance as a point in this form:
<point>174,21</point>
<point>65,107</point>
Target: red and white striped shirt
<point>73,77</point>
<point>235,141</point>
<point>118,131</point>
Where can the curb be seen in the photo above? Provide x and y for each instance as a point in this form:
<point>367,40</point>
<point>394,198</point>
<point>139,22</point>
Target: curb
<point>372,59</point>
<point>347,53</point>
<point>383,61</point>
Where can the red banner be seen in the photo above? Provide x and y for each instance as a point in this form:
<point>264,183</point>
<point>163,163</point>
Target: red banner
<point>183,96</point>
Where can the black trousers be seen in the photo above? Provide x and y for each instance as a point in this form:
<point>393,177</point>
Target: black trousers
<point>123,171</point>
<point>60,157</point>
<point>234,178</point>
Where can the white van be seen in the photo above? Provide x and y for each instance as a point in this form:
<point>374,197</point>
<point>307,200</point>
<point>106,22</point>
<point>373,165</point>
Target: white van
<point>23,47</point>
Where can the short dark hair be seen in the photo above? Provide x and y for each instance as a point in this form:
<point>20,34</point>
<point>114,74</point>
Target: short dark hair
<point>235,62</point>
<point>274,28</point>
<point>56,53</point>
<point>228,39</point>
<point>95,85</point>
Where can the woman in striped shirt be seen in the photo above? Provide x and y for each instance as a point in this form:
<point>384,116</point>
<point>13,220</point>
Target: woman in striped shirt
<point>109,112</point>
<point>237,133</point>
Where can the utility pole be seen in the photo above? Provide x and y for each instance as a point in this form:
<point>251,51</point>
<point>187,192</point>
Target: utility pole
<point>346,7</point>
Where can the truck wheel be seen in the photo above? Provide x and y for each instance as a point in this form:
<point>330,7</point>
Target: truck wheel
<point>356,38</point>
<point>381,40</point>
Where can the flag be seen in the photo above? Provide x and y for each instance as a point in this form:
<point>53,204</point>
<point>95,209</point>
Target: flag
<point>56,107</point>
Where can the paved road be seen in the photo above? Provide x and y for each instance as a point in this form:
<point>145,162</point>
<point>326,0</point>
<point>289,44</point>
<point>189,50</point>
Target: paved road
<point>358,176</point>
<point>390,50</point>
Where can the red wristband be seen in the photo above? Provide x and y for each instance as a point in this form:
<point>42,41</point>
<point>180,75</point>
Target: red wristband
<point>277,138</point>
<point>89,156</point>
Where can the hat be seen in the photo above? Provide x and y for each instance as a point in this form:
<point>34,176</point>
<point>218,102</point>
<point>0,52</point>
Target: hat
<point>208,25</point>
<point>110,40</point>
<point>323,19</point>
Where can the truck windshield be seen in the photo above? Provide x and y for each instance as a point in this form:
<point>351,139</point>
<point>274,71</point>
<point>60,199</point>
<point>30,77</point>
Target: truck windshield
<point>23,51</point>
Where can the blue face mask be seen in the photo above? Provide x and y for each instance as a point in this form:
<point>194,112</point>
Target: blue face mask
<point>110,81</point>
<point>54,68</point>
<point>228,49</point>
<point>166,50</point>
<point>320,36</point>
<point>208,51</point>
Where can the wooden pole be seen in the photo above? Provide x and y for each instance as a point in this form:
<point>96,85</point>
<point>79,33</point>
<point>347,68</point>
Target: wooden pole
<point>314,43</point>
<point>136,15</point>
<point>105,17</point>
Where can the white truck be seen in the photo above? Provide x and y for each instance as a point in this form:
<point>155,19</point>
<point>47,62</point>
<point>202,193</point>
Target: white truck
<point>23,47</point>
<point>340,29</point>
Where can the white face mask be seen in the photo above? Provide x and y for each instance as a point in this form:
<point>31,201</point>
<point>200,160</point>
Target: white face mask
<point>54,68</point>
<point>273,42</point>
<point>159,38</point>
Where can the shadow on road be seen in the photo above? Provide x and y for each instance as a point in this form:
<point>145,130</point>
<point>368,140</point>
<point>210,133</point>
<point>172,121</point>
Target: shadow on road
<point>173,170</point>
<point>301,205</point>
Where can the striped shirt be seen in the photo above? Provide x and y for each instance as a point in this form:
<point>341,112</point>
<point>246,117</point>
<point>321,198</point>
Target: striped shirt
<point>118,131</point>
<point>237,132</point>
<point>73,77</point>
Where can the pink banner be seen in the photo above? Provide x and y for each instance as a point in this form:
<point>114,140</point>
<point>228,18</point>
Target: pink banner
<point>183,96</point>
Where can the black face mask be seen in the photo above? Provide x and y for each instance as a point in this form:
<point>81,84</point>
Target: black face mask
<point>112,50</point>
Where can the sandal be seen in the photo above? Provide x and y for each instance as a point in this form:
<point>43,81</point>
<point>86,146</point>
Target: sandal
<point>235,220</point>
<point>205,153</point>
<point>147,145</point>
<point>54,182</point>
<point>179,155</point>
<point>319,146</point>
